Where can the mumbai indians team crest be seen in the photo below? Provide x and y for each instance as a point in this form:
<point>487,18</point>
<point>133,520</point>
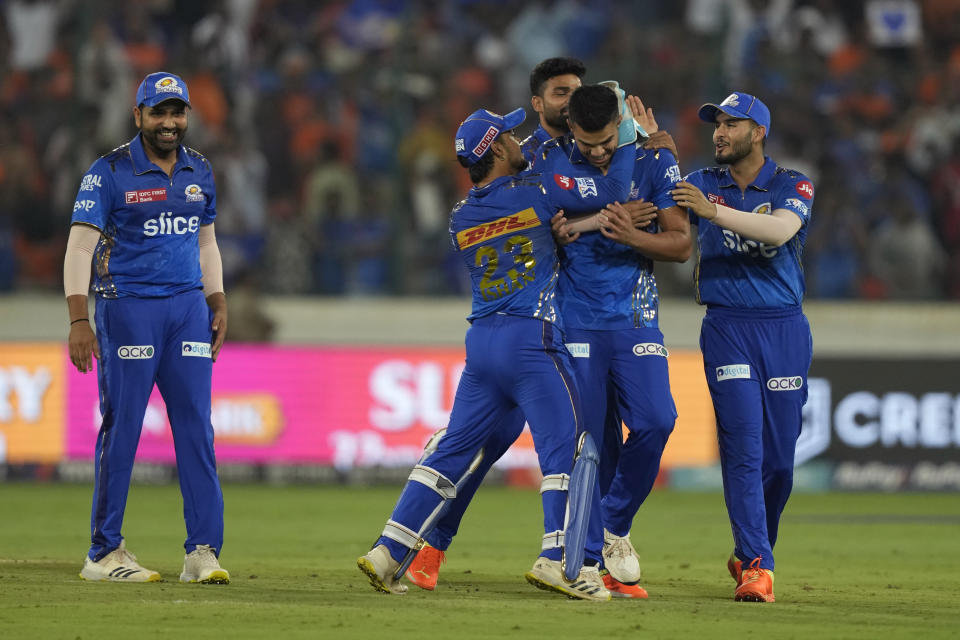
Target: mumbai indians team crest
<point>763,209</point>
<point>193,193</point>
<point>168,84</point>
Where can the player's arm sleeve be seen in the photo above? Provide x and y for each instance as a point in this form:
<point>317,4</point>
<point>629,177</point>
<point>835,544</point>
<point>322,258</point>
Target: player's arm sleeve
<point>774,229</point>
<point>668,174</point>
<point>211,266</point>
<point>791,204</point>
<point>94,197</point>
<point>582,192</point>
<point>78,260</point>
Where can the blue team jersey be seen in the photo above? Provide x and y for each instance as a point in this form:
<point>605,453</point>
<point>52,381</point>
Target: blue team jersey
<point>149,221</point>
<point>737,272</point>
<point>503,233</point>
<point>605,284</point>
<point>532,142</point>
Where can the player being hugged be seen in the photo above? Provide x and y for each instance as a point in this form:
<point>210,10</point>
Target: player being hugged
<point>516,358</point>
<point>752,219</point>
<point>144,218</point>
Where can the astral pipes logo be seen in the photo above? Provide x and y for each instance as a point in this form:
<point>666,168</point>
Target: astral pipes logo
<point>791,383</point>
<point>135,352</point>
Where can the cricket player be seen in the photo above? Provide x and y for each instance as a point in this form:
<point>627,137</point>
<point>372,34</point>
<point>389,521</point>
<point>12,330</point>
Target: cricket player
<point>609,302</point>
<point>144,219</point>
<point>515,352</point>
<point>752,219</point>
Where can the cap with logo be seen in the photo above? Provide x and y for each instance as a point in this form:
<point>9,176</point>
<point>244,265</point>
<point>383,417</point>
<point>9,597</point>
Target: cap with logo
<point>738,105</point>
<point>161,86</point>
<point>481,128</point>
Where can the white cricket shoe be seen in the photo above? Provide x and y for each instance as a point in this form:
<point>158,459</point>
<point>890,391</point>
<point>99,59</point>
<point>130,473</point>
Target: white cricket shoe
<point>201,565</point>
<point>620,558</point>
<point>380,567</point>
<point>547,574</point>
<point>117,566</point>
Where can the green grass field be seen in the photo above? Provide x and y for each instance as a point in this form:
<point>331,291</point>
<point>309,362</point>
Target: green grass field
<point>848,566</point>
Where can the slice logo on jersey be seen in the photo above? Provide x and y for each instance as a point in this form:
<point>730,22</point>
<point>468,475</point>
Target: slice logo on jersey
<point>193,193</point>
<point>805,189</point>
<point>84,205</point>
<point>579,349</point>
<point>166,225</point>
<point>135,352</point>
<point>508,224</point>
<point>563,182</point>
<point>195,349</point>
<point>763,209</point>
<point>89,182</point>
<point>145,195</point>
<point>733,372</point>
<point>716,199</point>
<point>587,187</point>
<point>798,206</point>
<point>650,349</point>
<point>673,173</point>
<point>485,142</point>
<point>790,383</point>
<point>168,85</point>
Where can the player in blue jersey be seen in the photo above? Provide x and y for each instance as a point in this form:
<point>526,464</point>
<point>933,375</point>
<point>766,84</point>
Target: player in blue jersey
<point>609,302</point>
<point>515,352</point>
<point>144,219</point>
<point>752,219</point>
<point>551,84</point>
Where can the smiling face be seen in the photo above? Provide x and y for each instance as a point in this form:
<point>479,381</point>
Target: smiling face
<point>597,146</point>
<point>162,126</point>
<point>734,138</point>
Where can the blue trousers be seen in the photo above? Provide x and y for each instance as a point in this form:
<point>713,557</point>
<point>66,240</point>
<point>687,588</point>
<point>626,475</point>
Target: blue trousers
<point>628,367</point>
<point>147,341</point>
<point>513,363</point>
<point>756,363</point>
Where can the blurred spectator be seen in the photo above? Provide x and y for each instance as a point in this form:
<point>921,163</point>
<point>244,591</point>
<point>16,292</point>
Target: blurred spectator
<point>334,127</point>
<point>906,261</point>
<point>248,320</point>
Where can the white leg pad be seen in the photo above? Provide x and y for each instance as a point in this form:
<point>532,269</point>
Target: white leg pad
<point>552,540</point>
<point>396,531</point>
<point>555,482</point>
<point>435,480</point>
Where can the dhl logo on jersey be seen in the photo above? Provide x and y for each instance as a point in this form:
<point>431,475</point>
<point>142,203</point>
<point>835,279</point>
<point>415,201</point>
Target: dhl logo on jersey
<point>508,224</point>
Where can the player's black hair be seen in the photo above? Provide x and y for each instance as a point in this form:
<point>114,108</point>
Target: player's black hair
<point>592,107</point>
<point>552,67</point>
<point>480,169</point>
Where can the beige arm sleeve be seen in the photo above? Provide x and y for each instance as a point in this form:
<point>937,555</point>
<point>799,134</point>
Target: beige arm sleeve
<point>775,229</point>
<point>211,266</point>
<point>78,260</point>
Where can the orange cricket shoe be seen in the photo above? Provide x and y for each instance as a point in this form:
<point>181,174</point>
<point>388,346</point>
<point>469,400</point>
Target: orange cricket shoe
<point>620,590</point>
<point>756,584</point>
<point>735,567</point>
<point>425,568</point>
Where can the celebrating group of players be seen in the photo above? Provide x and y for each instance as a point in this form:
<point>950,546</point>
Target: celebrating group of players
<point>560,234</point>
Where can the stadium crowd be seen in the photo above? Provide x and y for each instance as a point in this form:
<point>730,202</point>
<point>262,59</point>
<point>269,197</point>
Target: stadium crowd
<point>329,124</point>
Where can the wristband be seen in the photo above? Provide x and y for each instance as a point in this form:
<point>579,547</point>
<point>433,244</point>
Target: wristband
<point>73,322</point>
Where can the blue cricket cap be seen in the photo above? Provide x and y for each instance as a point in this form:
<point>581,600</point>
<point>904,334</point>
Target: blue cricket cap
<point>738,105</point>
<point>481,128</point>
<point>161,86</point>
